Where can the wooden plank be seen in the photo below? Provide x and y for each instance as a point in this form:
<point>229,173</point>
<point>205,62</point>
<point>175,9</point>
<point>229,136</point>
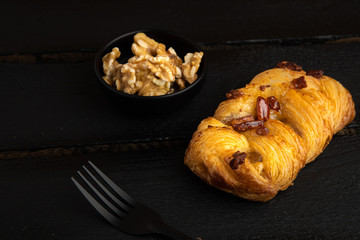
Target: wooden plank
<point>39,200</point>
<point>42,27</point>
<point>45,105</point>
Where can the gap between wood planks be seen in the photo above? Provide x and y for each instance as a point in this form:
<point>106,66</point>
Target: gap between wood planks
<point>89,54</point>
<point>351,129</point>
<point>91,148</point>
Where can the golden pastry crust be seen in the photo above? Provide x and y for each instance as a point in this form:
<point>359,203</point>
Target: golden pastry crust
<point>298,132</point>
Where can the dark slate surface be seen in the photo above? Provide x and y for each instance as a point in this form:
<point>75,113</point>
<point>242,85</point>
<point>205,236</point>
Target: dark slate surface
<point>54,117</point>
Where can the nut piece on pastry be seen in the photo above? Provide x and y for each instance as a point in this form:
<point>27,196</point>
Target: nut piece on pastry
<point>263,134</point>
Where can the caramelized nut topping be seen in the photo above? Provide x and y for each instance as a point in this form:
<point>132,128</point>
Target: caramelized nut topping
<point>237,121</point>
<point>233,93</point>
<point>238,158</point>
<point>242,127</point>
<point>263,114</point>
<point>290,65</point>
<point>262,131</point>
<point>315,73</point>
<point>298,83</point>
<point>262,109</point>
<point>273,103</point>
<point>262,87</point>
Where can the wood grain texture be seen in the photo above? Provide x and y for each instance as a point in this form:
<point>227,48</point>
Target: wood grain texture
<point>48,105</point>
<point>42,203</point>
<point>72,25</point>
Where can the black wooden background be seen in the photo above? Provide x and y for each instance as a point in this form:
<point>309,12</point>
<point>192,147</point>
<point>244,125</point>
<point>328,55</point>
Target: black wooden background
<point>55,117</point>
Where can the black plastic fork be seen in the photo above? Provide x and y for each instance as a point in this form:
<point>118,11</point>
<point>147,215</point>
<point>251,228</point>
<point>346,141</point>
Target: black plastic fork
<point>122,211</point>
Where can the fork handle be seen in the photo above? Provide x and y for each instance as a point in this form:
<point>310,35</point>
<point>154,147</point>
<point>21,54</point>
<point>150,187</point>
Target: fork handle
<point>162,228</point>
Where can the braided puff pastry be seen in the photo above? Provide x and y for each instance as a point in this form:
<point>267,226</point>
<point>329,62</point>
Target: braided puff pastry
<point>260,138</point>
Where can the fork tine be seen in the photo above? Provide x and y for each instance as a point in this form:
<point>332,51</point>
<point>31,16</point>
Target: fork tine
<point>105,213</point>
<point>107,203</point>
<point>115,199</point>
<point>115,187</point>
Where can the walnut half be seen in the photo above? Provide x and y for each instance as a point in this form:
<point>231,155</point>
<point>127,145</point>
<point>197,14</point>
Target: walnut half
<point>191,66</point>
<point>110,65</point>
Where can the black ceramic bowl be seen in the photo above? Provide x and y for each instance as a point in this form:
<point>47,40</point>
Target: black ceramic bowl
<point>181,45</point>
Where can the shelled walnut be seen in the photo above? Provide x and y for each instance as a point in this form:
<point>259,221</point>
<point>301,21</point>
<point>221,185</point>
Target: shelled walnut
<point>152,71</point>
<point>191,65</point>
